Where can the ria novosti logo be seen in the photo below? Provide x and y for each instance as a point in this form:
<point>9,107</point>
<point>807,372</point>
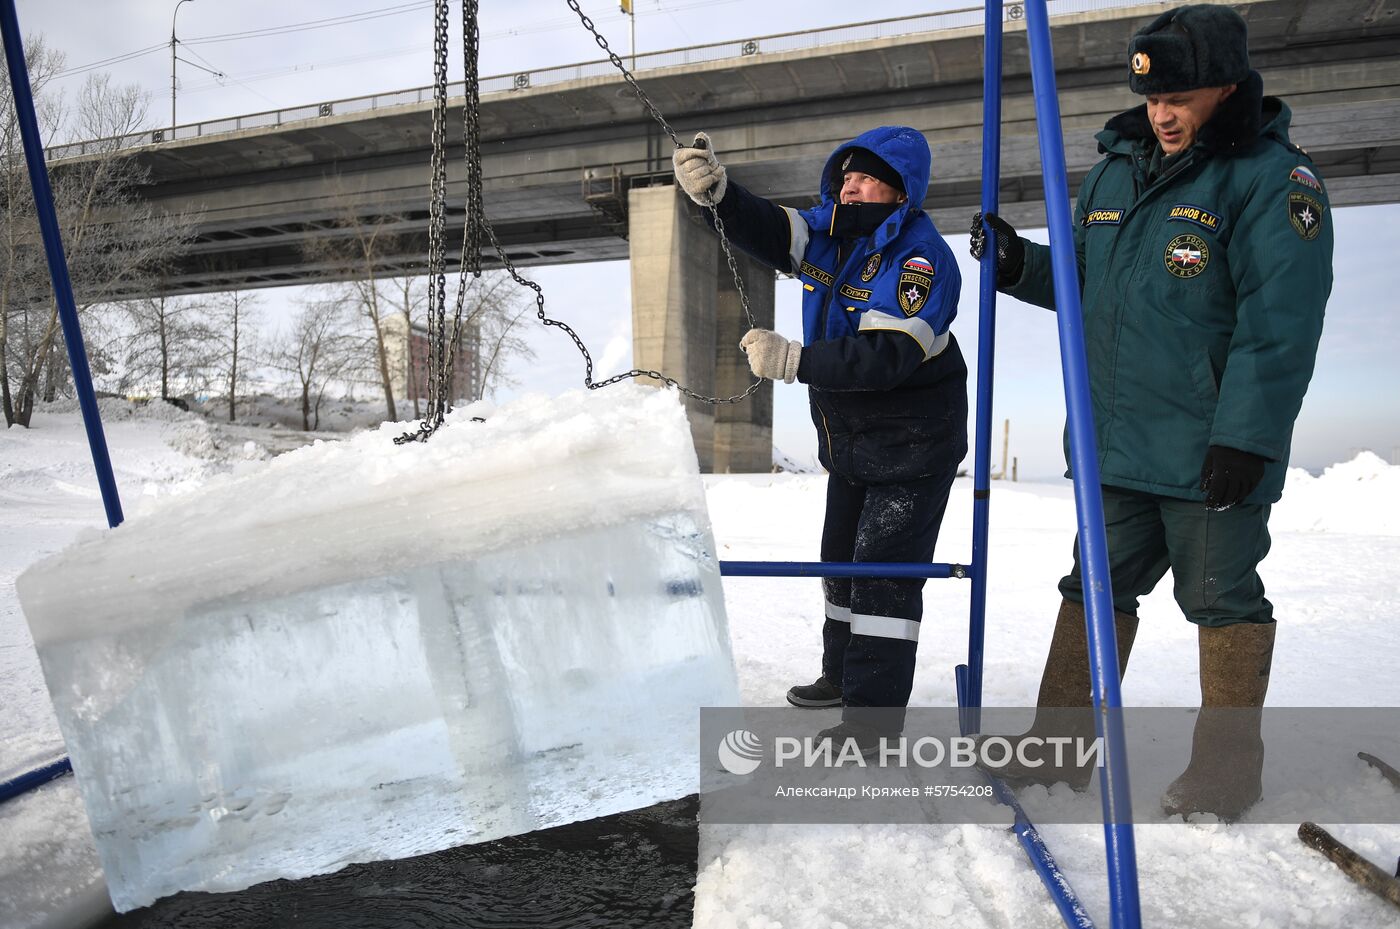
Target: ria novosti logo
<point>740,752</point>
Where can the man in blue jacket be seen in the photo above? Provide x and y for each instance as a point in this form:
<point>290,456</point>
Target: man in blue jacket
<point>887,387</point>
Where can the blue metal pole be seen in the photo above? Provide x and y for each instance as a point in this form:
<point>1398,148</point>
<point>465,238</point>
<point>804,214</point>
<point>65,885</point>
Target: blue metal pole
<point>1093,549</point>
<point>32,779</point>
<point>969,676</point>
<point>58,264</point>
<point>839,569</point>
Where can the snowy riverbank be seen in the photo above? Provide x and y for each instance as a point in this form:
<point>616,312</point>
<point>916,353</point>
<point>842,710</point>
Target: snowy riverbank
<point>1331,575</point>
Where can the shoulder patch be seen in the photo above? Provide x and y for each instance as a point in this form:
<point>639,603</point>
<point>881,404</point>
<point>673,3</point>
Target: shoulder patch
<point>1305,176</point>
<point>872,267</point>
<point>919,266</point>
<point>1305,214</point>
<point>1103,217</point>
<point>816,274</point>
<point>1186,213</point>
<point>914,289</point>
<point>854,293</point>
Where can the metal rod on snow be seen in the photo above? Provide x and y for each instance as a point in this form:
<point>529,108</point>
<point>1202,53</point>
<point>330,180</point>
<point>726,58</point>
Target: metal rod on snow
<point>58,264</point>
<point>969,676</point>
<point>839,569</point>
<point>23,783</point>
<point>1093,549</point>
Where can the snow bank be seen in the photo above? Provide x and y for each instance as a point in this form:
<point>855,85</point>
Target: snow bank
<point>1357,496</point>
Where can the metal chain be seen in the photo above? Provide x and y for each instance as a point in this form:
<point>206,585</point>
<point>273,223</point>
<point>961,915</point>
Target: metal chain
<point>587,358</point>
<point>441,347</point>
<point>438,361</point>
<point>675,140</point>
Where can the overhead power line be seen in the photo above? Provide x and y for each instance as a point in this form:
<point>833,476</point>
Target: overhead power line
<point>115,59</point>
<point>289,28</point>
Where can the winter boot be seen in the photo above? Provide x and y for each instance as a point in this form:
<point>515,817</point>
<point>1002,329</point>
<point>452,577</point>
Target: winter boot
<point>852,734</point>
<point>1064,707</point>
<point>1224,776</point>
<point>820,693</point>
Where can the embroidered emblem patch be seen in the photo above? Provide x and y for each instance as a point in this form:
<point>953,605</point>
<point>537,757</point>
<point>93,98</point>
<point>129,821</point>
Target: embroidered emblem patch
<point>816,274</point>
<point>1185,212</point>
<point>847,163</point>
<point>913,291</point>
<point>872,265</point>
<point>1305,176</point>
<point>854,293</point>
<point>1142,63</point>
<point>1187,255</point>
<point>1103,217</point>
<point>1305,213</point>
<point>919,266</point>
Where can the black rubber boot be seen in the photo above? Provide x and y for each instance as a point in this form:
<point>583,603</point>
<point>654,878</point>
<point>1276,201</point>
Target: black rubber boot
<point>1225,774</point>
<point>816,695</point>
<point>1064,707</point>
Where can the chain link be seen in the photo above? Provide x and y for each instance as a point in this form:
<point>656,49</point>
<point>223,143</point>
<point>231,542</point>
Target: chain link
<point>442,348</point>
<point>439,387</point>
<point>675,140</point>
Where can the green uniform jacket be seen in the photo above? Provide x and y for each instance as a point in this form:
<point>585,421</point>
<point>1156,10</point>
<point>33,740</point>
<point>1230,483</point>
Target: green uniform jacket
<point>1203,294</point>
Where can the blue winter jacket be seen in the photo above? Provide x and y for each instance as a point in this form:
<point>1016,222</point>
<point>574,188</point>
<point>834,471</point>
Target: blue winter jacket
<point>886,381</point>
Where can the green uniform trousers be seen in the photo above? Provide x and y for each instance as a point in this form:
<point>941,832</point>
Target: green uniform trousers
<point>1213,556</point>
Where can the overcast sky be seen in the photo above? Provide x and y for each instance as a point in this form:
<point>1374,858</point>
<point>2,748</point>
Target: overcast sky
<point>275,54</point>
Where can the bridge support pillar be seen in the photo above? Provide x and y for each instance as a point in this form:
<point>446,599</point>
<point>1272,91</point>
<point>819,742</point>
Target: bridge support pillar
<point>687,322</point>
<point>743,431</point>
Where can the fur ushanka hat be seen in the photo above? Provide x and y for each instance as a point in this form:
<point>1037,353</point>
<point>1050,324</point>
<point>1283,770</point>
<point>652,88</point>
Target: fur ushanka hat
<point>1201,45</point>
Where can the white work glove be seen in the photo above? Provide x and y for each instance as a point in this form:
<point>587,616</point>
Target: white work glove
<point>771,355</point>
<point>699,172</point>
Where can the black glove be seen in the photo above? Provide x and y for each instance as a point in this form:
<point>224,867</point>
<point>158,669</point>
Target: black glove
<point>1229,475</point>
<point>1011,253</point>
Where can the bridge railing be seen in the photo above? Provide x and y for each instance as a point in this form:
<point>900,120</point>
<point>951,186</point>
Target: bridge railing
<point>543,77</point>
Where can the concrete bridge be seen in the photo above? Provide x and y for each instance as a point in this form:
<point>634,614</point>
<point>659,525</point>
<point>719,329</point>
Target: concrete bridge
<point>574,169</point>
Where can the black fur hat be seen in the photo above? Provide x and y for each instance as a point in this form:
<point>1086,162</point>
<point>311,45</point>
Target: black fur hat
<point>1202,45</point>
<point>867,162</point>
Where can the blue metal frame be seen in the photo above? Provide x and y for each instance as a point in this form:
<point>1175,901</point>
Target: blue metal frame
<point>1103,650</point>
<point>1122,864</point>
<point>969,676</point>
<point>67,312</point>
<point>1093,548</point>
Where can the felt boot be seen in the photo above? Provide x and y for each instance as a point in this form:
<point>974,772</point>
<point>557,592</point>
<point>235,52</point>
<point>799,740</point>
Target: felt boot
<point>1224,775</point>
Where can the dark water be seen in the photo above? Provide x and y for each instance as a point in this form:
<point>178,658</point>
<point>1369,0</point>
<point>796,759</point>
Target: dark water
<point>633,869</point>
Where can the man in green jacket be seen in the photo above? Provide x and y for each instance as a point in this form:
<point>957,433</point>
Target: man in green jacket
<point>1204,240</point>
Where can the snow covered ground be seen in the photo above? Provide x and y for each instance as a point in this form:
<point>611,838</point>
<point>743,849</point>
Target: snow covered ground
<point>1332,575</point>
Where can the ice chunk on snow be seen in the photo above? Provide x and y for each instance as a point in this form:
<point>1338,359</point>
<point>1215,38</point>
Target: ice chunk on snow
<point>367,651</point>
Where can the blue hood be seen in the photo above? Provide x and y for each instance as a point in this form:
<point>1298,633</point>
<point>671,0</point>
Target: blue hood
<point>902,148</point>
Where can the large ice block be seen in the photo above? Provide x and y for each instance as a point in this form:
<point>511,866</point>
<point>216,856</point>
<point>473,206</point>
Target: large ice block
<point>364,651</point>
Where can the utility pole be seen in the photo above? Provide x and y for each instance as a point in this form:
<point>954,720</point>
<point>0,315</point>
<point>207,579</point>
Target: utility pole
<point>172,64</point>
<point>631,15</point>
<point>1005,447</point>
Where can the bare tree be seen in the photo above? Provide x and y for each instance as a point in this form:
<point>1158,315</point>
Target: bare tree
<point>22,262</point>
<point>356,254</point>
<point>317,351</point>
<point>502,337</point>
<point>165,339</point>
<point>233,318</point>
<point>110,237</point>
